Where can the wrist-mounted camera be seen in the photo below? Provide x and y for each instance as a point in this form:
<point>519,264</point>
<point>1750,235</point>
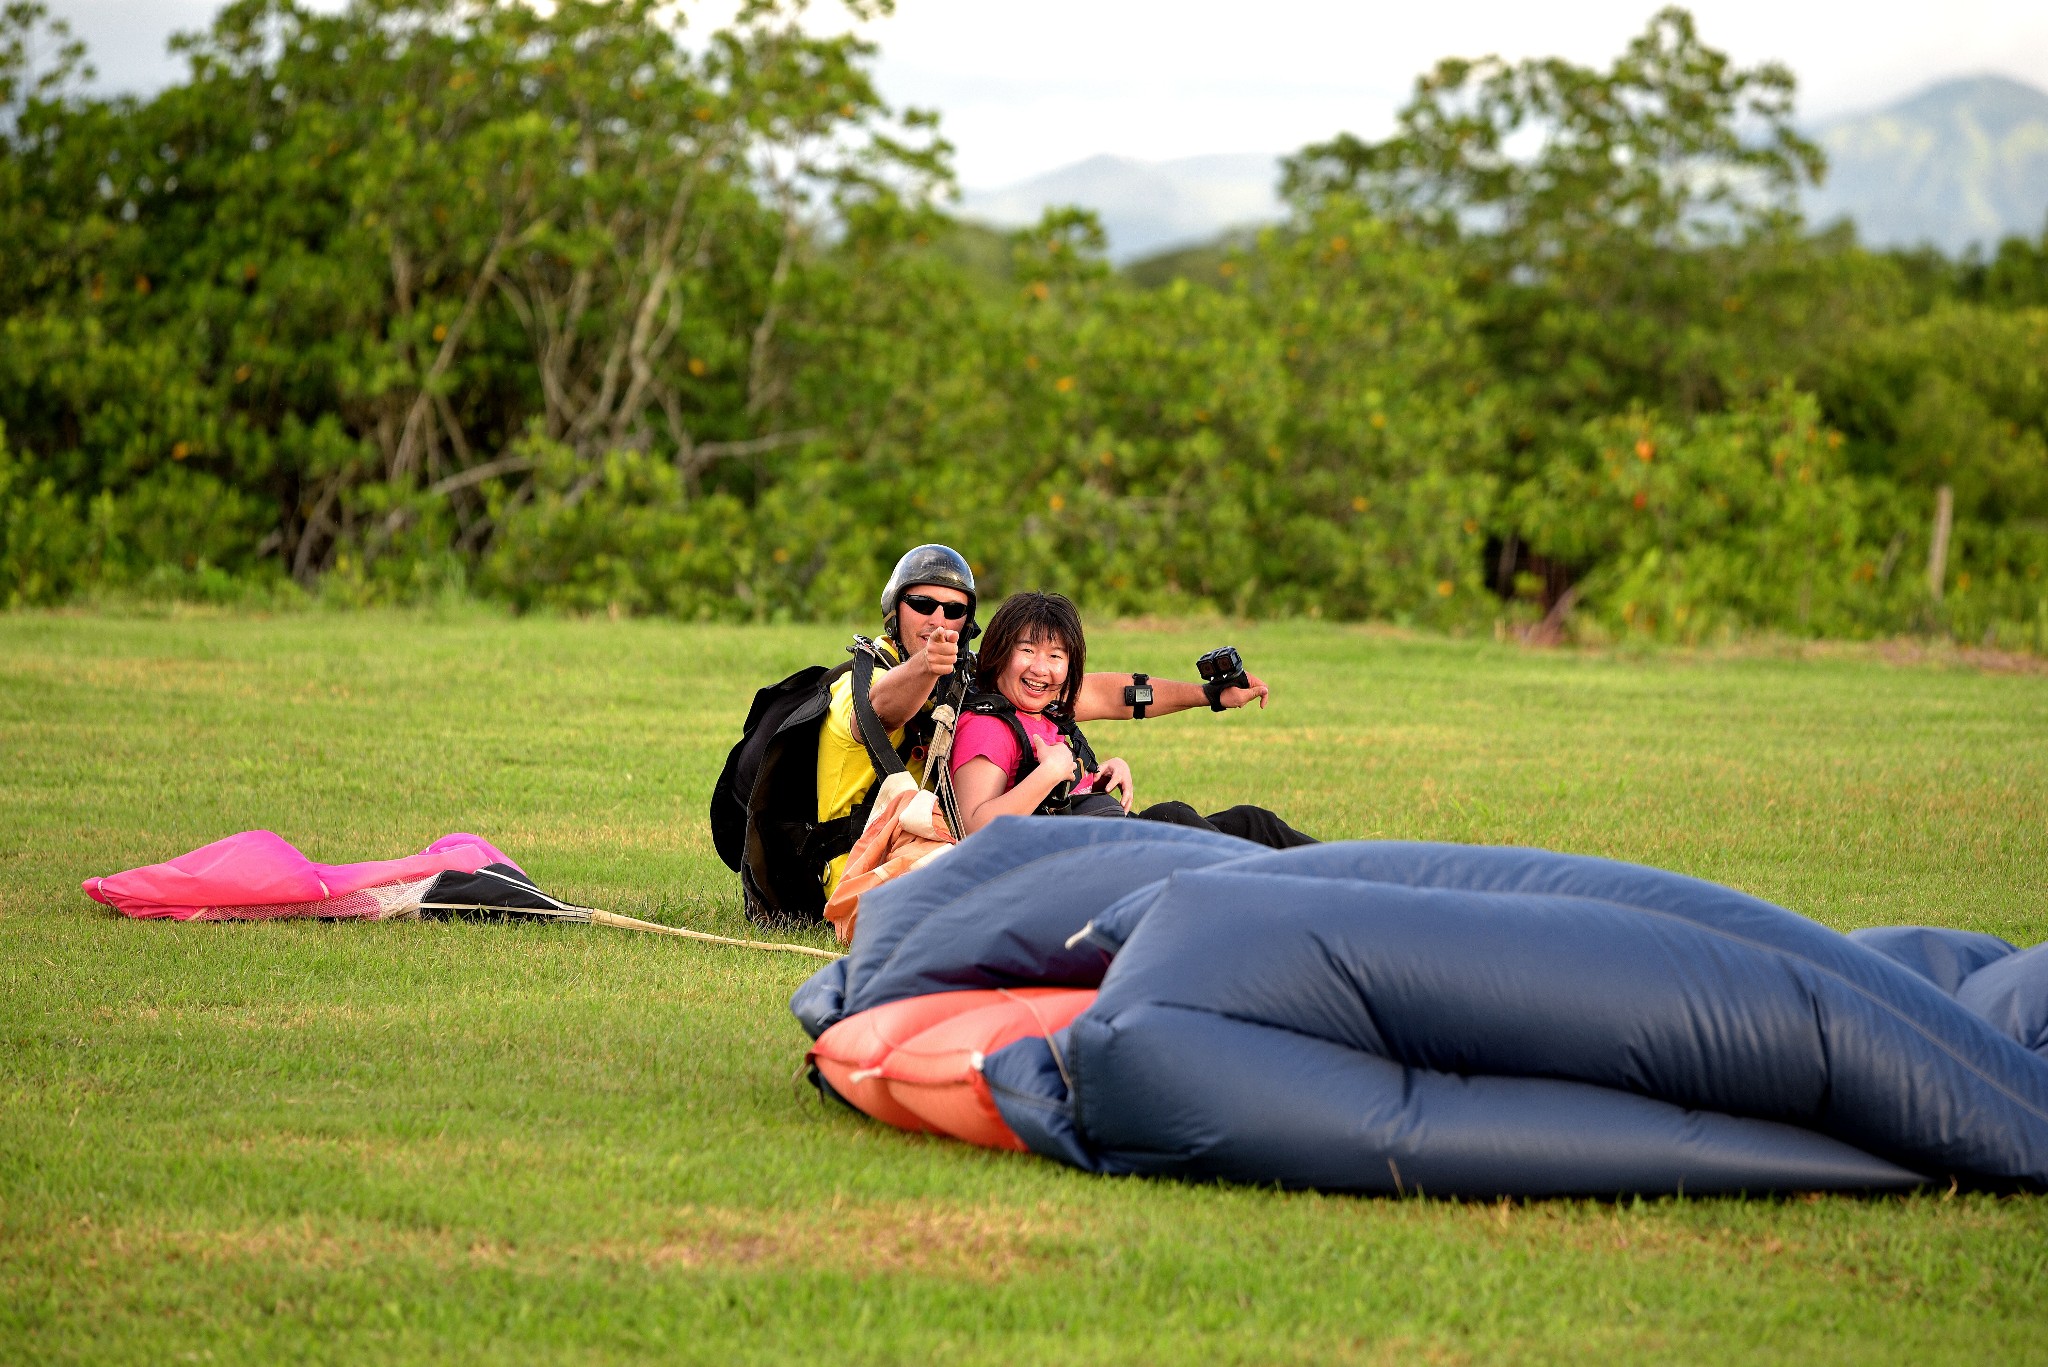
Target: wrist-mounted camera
<point>1138,695</point>
<point>1221,668</point>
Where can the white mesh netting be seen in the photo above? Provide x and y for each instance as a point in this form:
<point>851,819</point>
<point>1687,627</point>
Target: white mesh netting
<point>370,904</point>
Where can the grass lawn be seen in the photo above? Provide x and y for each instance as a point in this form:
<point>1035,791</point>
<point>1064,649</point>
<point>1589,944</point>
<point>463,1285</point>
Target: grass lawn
<point>253,1143</point>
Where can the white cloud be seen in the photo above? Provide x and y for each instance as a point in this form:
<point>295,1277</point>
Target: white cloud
<point>127,38</point>
<point>1027,87</point>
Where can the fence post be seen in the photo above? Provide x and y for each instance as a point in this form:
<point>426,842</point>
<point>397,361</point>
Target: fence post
<point>1937,549</point>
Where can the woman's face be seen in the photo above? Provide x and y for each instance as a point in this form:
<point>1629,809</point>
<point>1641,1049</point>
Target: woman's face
<point>1035,674</point>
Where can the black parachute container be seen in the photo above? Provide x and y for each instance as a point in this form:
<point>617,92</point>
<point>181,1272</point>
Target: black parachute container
<point>495,892</point>
<point>764,807</point>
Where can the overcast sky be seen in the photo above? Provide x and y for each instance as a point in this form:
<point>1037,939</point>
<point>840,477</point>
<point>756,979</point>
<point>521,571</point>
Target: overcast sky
<point>1024,88</point>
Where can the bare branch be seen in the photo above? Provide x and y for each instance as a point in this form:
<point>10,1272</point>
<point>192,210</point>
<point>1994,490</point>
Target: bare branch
<point>760,392</point>
<point>409,440</point>
<point>477,474</point>
<point>317,521</point>
<point>452,428</point>
<point>754,446</point>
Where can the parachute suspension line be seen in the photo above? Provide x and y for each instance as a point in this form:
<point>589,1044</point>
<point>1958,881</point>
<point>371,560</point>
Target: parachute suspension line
<point>591,916</point>
<point>555,909</point>
<point>1058,1060</point>
<point>609,918</point>
<point>938,771</point>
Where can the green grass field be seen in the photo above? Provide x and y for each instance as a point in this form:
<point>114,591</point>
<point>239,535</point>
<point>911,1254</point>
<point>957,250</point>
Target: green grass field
<point>347,1143</point>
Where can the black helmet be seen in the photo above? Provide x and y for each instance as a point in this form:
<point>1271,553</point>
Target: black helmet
<point>933,564</point>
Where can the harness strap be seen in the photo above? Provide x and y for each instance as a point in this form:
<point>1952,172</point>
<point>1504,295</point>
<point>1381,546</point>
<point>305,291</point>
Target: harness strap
<point>873,734</point>
<point>938,765</point>
<point>996,705</point>
<point>827,840</point>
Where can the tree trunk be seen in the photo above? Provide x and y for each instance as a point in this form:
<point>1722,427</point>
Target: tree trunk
<point>1937,549</point>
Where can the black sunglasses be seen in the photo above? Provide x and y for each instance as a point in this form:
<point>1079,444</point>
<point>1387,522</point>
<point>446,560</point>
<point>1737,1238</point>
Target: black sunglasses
<point>918,602</point>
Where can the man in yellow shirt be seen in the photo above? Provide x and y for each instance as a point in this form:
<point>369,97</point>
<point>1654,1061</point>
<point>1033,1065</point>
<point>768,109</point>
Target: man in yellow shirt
<point>788,841</point>
<point>927,608</point>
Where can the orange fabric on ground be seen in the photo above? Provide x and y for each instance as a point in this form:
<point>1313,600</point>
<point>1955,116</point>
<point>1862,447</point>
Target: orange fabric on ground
<point>916,1063</point>
<point>906,831</point>
<point>850,1054</point>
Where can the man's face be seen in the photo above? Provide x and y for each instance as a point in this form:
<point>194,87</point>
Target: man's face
<point>914,627</point>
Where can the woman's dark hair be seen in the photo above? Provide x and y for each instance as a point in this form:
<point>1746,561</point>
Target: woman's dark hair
<point>1031,617</point>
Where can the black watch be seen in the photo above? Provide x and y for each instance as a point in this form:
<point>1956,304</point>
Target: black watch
<point>1138,695</point>
<point>1213,691</point>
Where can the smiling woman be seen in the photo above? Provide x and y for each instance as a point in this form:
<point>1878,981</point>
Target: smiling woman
<point>1030,677</point>
<point>1033,693</point>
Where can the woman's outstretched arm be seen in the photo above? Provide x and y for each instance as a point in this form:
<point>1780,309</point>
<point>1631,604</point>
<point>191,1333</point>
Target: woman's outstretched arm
<point>1102,697</point>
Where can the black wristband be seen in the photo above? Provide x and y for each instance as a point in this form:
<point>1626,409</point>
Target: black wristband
<point>1213,691</point>
<point>1138,695</point>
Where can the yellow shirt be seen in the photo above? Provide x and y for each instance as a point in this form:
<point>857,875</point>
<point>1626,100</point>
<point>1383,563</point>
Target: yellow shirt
<point>845,773</point>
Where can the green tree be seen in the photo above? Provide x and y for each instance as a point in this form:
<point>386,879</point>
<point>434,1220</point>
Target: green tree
<point>359,263</point>
<point>1605,220</point>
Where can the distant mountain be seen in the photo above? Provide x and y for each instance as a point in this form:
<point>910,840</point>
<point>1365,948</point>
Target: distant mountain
<point>1146,206</point>
<point>1961,162</point>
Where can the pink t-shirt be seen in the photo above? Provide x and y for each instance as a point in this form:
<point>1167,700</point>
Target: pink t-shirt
<point>980,737</point>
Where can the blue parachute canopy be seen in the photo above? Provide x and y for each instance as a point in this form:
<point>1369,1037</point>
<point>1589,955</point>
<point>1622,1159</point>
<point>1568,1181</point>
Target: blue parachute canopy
<point>1460,1020</point>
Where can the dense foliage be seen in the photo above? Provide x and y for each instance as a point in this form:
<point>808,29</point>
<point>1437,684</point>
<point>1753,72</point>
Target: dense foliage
<point>575,307</point>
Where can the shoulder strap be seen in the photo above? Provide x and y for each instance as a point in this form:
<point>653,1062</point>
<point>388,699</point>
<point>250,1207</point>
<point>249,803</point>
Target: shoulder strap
<point>873,734</point>
<point>1083,751</point>
<point>992,704</point>
<point>996,705</point>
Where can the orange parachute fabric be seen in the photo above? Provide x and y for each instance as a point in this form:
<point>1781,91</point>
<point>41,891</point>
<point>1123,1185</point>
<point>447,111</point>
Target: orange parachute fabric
<point>906,831</point>
<point>916,1063</point>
